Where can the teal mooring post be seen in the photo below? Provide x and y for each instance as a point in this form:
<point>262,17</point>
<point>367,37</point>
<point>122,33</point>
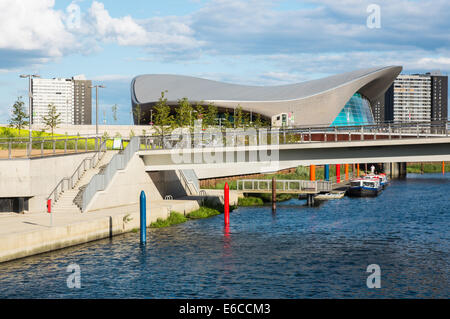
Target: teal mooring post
<point>327,172</point>
<point>143,218</point>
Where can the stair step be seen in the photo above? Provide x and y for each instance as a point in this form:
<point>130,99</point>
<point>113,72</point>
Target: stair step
<point>71,200</point>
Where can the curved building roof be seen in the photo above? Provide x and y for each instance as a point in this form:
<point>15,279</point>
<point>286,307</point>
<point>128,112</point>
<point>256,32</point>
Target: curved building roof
<point>312,102</point>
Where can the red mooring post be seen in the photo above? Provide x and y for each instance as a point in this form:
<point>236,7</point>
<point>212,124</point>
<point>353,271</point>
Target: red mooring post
<point>274,194</point>
<point>226,199</point>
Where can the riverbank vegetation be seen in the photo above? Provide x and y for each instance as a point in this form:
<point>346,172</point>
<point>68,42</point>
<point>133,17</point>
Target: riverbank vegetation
<point>250,201</point>
<point>419,168</point>
<point>203,212</point>
<point>176,218</point>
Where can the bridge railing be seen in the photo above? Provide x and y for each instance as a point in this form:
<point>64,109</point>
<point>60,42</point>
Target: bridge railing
<point>20,148</point>
<point>296,135</point>
<point>265,185</point>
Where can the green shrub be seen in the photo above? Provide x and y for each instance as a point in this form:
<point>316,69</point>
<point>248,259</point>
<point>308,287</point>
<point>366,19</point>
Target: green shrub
<point>174,218</point>
<point>250,201</point>
<point>203,212</point>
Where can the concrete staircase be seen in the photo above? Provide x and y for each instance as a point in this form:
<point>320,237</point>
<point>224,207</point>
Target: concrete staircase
<point>70,200</point>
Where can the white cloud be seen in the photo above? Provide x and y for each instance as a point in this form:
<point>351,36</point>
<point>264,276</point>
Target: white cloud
<point>34,26</point>
<point>123,31</point>
<point>157,34</point>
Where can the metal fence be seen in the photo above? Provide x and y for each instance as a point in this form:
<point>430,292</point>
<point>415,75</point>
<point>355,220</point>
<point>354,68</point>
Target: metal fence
<point>296,135</point>
<point>39,147</point>
<point>100,181</point>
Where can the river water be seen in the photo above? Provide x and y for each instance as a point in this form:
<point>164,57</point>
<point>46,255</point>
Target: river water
<point>299,252</point>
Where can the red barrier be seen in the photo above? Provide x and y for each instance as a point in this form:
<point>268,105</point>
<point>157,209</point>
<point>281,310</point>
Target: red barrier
<point>49,205</point>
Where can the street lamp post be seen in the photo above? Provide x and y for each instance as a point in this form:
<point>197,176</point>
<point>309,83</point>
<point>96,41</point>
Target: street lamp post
<point>30,102</point>
<point>96,105</point>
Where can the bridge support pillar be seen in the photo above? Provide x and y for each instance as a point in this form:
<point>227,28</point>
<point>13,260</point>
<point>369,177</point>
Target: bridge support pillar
<point>312,172</point>
<point>310,199</point>
<point>346,172</point>
<point>395,169</point>
<point>338,173</point>
<point>327,172</point>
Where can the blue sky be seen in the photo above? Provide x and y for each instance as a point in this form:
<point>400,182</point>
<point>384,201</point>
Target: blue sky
<point>249,42</point>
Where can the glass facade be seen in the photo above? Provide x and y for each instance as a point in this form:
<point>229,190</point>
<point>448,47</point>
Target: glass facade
<point>357,111</point>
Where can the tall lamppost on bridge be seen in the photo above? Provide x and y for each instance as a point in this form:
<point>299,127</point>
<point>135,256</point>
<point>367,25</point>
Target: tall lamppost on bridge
<point>30,101</point>
<point>96,104</point>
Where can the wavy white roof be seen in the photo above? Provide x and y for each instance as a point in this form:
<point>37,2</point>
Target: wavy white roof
<point>148,88</point>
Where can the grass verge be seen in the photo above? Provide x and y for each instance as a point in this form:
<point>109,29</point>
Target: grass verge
<point>203,212</point>
<point>250,201</point>
<point>174,218</point>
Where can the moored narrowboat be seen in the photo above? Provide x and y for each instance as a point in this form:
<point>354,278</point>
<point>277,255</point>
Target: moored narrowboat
<point>365,187</point>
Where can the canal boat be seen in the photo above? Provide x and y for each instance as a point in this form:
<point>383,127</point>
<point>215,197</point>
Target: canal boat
<point>382,177</point>
<point>365,187</point>
<point>327,196</point>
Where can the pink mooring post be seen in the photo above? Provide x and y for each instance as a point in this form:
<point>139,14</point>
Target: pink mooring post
<point>226,199</point>
<point>338,173</point>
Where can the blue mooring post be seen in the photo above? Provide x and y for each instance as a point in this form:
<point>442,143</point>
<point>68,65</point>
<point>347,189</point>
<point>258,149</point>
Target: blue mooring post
<point>143,218</point>
<point>327,172</point>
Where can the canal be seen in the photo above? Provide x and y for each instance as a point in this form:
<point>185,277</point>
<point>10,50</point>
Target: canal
<point>299,252</point>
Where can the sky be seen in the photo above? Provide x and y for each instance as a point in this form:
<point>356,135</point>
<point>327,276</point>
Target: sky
<point>253,42</point>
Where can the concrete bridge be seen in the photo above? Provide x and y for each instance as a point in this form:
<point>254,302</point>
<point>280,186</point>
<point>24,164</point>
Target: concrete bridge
<point>246,154</point>
<point>149,162</point>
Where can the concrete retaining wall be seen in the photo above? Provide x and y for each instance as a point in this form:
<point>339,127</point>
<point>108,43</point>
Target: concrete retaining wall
<point>125,187</point>
<point>18,245</point>
<point>36,178</point>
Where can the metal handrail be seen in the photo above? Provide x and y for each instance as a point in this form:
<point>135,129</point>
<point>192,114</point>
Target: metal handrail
<point>189,183</point>
<point>70,180</point>
<point>12,144</point>
<point>100,181</point>
<point>304,135</point>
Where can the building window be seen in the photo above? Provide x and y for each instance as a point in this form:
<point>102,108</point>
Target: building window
<point>357,111</point>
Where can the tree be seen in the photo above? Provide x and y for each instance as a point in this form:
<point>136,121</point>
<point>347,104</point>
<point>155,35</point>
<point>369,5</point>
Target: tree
<point>211,114</point>
<point>52,120</point>
<point>114,112</point>
<point>227,123</point>
<point>163,119</point>
<point>258,122</point>
<point>184,113</point>
<point>138,113</point>
<point>19,117</point>
<point>199,112</point>
<point>238,116</point>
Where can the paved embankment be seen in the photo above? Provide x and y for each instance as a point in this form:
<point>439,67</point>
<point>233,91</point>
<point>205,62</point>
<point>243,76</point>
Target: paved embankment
<point>30,234</point>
